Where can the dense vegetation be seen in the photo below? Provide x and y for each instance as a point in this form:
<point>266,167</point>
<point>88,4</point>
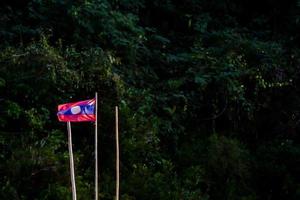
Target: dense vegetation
<point>209,96</point>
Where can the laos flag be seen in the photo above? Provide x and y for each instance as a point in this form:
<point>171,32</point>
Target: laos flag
<point>81,111</point>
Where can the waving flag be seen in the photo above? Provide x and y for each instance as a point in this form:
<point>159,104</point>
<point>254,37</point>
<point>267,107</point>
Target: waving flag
<point>80,111</point>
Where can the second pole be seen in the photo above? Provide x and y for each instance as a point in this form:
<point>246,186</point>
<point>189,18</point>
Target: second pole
<point>96,146</point>
<point>117,155</point>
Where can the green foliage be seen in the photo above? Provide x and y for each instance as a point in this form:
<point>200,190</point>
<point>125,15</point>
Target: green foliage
<point>227,162</point>
<point>207,90</point>
<point>13,110</point>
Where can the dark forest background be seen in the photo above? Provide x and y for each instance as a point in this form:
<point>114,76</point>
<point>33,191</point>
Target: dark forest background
<point>208,90</point>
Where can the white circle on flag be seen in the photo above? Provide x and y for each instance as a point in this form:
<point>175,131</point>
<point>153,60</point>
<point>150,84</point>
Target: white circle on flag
<point>75,110</point>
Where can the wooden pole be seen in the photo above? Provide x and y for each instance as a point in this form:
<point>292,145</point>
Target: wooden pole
<point>71,161</point>
<point>96,147</point>
<point>117,154</point>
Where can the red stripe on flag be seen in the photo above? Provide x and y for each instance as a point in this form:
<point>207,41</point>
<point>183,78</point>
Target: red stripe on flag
<point>76,118</point>
<point>69,105</point>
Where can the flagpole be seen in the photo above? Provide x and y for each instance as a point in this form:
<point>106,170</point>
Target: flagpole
<point>96,146</point>
<point>117,154</point>
<point>71,161</point>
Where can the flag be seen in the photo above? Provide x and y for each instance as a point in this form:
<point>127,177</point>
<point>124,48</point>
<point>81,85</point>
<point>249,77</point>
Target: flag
<point>81,111</point>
